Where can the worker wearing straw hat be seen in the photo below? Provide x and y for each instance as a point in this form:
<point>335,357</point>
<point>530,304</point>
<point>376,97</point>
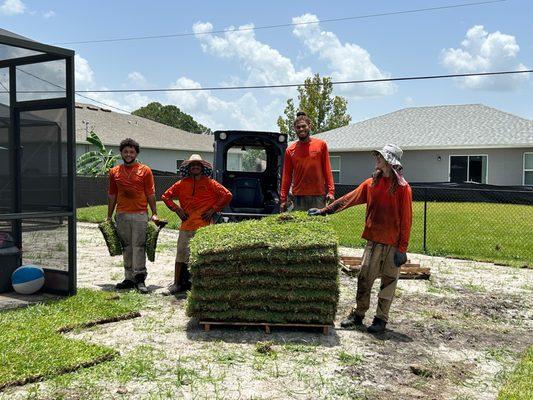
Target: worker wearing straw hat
<point>200,197</point>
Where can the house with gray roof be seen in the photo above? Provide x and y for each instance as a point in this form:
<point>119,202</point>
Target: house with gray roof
<point>162,147</point>
<point>449,143</point>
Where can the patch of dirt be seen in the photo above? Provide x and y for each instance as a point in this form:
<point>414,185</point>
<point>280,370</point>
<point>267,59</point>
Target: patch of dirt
<point>451,337</point>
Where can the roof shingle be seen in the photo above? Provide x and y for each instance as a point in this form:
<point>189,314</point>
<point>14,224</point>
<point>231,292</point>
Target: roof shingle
<point>112,127</point>
<point>448,126</point>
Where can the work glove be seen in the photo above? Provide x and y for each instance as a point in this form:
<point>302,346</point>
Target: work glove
<point>399,258</point>
<point>329,199</point>
<point>315,211</point>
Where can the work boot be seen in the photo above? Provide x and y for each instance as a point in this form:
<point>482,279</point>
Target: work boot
<point>139,285</point>
<point>352,321</point>
<point>185,278</point>
<point>125,284</point>
<point>378,326</point>
<point>174,290</point>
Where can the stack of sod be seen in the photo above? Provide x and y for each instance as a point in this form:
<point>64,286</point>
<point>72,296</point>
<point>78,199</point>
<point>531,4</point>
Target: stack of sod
<point>112,240</point>
<point>281,269</point>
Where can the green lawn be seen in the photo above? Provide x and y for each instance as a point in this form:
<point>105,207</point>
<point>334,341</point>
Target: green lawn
<point>519,386</point>
<point>32,346</point>
<point>98,214</point>
<point>498,233</point>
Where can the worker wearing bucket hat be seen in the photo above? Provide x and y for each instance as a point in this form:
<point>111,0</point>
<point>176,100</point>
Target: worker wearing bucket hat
<point>387,229</point>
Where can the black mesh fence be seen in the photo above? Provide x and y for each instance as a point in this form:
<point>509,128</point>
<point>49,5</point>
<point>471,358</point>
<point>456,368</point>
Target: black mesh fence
<point>483,222</point>
<point>92,191</point>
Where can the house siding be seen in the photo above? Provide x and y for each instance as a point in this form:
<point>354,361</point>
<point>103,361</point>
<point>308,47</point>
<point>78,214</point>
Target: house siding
<point>505,166</point>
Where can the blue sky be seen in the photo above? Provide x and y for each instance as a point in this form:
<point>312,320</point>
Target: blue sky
<point>468,39</point>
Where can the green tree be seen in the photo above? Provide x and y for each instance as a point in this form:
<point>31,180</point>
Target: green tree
<point>315,99</point>
<point>172,116</point>
<point>97,162</point>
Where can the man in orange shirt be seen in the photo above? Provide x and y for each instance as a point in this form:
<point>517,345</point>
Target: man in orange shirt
<point>131,188</point>
<point>200,197</point>
<point>307,168</point>
<point>388,221</point>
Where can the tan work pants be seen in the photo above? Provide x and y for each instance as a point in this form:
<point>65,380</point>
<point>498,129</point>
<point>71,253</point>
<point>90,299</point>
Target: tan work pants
<point>378,261</point>
<point>132,231</point>
<point>304,203</point>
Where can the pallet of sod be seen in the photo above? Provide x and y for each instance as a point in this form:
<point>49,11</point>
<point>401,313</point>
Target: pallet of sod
<point>281,269</point>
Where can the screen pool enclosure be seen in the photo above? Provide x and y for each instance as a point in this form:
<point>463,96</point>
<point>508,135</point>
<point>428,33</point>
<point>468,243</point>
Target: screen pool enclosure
<point>37,161</point>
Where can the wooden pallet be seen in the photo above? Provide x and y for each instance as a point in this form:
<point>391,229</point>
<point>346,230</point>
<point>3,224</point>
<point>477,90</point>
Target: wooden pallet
<point>352,266</point>
<point>206,325</point>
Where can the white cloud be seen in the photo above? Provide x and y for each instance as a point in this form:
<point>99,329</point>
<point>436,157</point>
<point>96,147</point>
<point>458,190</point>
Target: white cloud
<point>137,79</point>
<point>243,113</point>
<point>484,52</point>
<point>49,14</point>
<point>264,65</point>
<point>83,72</point>
<point>12,7</point>
<point>347,61</point>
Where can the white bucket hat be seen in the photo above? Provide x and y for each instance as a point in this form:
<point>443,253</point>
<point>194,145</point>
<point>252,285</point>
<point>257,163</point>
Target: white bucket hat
<point>391,153</point>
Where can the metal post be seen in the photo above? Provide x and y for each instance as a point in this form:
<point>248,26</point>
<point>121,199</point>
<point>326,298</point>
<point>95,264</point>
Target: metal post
<point>425,218</point>
<point>71,173</point>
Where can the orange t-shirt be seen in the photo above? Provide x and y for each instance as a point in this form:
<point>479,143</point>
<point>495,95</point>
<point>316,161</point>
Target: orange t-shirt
<point>308,169</point>
<point>196,197</point>
<point>132,185</point>
<point>388,216</point>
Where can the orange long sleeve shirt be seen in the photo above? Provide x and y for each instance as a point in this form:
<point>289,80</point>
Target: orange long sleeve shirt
<point>388,216</point>
<point>307,167</point>
<point>132,185</point>
<point>196,197</point>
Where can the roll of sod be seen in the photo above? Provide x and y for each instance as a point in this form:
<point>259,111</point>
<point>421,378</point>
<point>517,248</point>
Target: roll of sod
<point>112,240</point>
<point>281,269</point>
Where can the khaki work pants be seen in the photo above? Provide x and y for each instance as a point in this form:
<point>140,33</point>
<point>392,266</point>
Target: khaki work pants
<point>132,231</point>
<point>304,203</point>
<point>378,261</point>
<point>184,251</point>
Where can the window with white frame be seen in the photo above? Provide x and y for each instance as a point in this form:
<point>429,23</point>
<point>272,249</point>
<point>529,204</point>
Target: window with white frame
<point>528,169</point>
<point>468,168</point>
<point>335,168</point>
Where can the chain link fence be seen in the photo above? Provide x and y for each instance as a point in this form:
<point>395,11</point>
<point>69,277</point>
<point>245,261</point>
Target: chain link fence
<point>480,222</point>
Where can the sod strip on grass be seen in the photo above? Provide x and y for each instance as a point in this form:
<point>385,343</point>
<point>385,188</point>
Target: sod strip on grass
<point>264,281</point>
<point>281,232</point>
<point>32,347</point>
<point>519,385</point>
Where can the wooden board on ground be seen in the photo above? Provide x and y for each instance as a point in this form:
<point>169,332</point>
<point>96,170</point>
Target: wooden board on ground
<point>352,266</point>
<point>206,325</point>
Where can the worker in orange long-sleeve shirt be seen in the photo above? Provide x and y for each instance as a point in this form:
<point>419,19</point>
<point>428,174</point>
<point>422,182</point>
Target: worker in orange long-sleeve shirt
<point>307,168</point>
<point>200,197</point>
<point>388,221</point>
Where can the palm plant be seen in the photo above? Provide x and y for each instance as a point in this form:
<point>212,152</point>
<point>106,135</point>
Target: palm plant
<point>97,162</point>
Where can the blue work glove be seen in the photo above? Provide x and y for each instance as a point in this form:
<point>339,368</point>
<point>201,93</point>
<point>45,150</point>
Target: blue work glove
<point>315,211</point>
<point>399,258</point>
